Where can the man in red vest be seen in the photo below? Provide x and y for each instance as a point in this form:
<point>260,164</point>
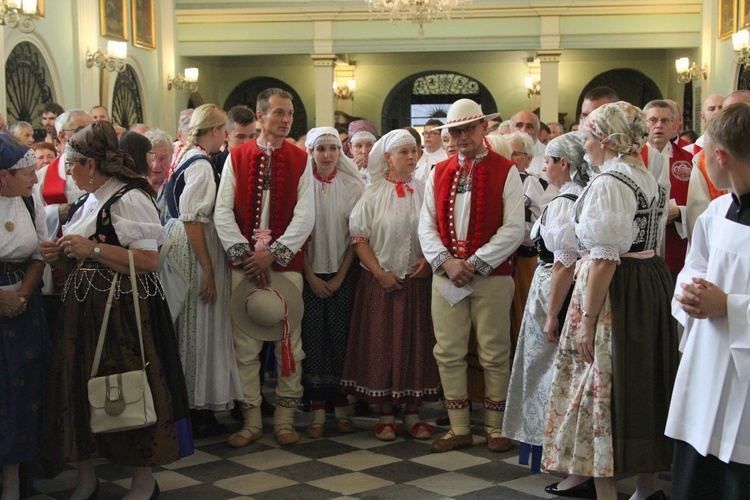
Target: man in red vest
<point>711,105</point>
<point>671,166</point>
<point>56,190</point>
<point>266,187</point>
<point>471,223</point>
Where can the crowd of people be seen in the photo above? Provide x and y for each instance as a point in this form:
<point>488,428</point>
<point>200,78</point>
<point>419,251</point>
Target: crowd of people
<point>575,267</point>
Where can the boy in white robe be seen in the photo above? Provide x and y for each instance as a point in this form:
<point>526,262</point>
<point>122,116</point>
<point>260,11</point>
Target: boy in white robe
<point>709,416</point>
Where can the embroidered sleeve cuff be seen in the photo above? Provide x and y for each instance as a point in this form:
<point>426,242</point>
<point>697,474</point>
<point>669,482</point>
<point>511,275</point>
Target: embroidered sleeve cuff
<point>236,252</point>
<point>480,266</point>
<point>438,261</point>
<point>283,255</point>
<point>359,239</point>
<point>605,253</point>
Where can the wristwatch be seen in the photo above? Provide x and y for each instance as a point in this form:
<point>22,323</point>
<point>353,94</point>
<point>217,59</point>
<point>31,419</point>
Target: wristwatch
<point>97,250</point>
<point>587,315</point>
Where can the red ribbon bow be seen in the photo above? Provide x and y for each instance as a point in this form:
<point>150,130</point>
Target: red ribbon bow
<point>400,185</point>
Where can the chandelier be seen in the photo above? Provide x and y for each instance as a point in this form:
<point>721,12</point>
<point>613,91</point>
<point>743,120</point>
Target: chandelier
<point>417,11</point>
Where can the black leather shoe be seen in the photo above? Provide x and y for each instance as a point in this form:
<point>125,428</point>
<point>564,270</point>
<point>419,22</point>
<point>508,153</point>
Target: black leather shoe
<point>584,490</point>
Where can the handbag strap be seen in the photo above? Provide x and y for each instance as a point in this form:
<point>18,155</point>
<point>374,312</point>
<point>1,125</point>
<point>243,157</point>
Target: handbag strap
<point>105,322</point>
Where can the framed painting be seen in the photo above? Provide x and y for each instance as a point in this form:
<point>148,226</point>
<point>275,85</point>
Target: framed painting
<point>113,19</point>
<point>744,14</point>
<point>144,33</point>
<point>39,9</point>
<point>727,18</point>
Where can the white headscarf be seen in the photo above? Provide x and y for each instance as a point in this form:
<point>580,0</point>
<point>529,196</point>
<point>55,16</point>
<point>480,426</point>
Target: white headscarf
<point>377,165</point>
<point>329,135</point>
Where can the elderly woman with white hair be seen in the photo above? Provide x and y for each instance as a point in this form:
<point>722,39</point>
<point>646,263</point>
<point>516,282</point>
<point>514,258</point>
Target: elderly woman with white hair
<point>549,295</point>
<point>330,277</point>
<point>389,357</point>
<point>617,356</point>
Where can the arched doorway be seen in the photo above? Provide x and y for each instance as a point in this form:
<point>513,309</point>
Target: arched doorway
<point>247,93</point>
<point>26,87</point>
<point>429,94</point>
<point>127,108</point>
<point>631,85</point>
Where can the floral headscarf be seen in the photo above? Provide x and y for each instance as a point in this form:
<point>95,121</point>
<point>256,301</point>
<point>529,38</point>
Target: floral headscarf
<point>620,126</point>
<point>570,147</point>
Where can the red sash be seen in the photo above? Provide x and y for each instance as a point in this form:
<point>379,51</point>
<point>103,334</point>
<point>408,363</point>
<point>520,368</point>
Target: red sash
<point>53,190</point>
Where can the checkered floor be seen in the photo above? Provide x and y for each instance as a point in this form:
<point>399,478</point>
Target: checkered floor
<point>337,466</point>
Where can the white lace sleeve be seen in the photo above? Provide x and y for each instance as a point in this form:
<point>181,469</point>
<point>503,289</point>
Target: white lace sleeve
<point>605,223</point>
<point>558,231</point>
<point>136,221</point>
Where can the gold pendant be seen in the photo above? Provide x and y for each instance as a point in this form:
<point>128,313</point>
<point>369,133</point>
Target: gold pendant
<point>9,226</point>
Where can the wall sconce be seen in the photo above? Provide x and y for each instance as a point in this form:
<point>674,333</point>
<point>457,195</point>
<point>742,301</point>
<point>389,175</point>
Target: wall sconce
<point>687,72</point>
<point>187,82</point>
<point>344,93</point>
<point>12,12</point>
<point>113,61</point>
<point>741,44</point>
<point>533,87</point>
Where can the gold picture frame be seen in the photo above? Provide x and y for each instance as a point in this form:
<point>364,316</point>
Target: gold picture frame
<point>113,18</point>
<point>727,18</point>
<point>144,32</point>
<point>744,14</point>
<point>39,9</point>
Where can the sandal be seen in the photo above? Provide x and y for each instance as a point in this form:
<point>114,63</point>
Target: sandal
<point>421,430</point>
<point>385,432</point>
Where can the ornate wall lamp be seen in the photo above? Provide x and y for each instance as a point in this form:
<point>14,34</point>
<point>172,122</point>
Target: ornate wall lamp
<point>533,87</point>
<point>344,93</point>
<point>687,72</point>
<point>114,60</point>
<point>187,82</point>
<point>17,14</point>
<point>741,45</point>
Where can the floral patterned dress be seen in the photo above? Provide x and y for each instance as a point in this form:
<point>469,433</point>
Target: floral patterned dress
<point>608,417</point>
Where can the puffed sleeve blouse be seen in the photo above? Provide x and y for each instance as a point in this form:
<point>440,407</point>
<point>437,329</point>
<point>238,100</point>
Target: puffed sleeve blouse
<point>388,223</point>
<point>134,217</point>
<point>607,208</point>
<point>557,226</point>
<point>198,197</point>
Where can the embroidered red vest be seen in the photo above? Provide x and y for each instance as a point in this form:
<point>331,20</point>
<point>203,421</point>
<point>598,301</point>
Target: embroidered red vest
<point>486,211</point>
<point>680,167</point>
<point>53,190</point>
<point>287,166</point>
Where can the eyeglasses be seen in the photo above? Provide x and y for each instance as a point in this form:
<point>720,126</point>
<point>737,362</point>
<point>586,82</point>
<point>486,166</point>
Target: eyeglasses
<point>518,153</point>
<point>654,121</point>
<point>468,130</point>
<point>431,132</point>
<point>152,156</point>
<point>75,130</point>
